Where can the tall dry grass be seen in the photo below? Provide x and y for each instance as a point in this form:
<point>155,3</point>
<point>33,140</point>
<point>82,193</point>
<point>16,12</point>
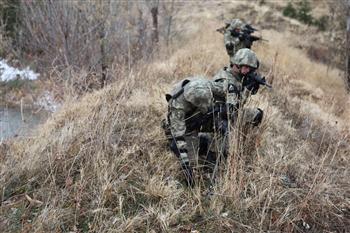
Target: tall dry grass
<point>101,164</point>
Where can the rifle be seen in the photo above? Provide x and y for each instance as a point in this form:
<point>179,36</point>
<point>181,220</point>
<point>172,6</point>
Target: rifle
<point>249,29</point>
<point>244,36</point>
<point>260,80</point>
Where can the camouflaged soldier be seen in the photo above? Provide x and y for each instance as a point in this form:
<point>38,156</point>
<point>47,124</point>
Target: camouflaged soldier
<point>237,35</point>
<point>191,110</point>
<point>242,81</point>
<point>201,105</point>
<point>231,36</point>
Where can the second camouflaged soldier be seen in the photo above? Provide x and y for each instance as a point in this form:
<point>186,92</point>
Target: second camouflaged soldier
<point>238,35</point>
<point>194,103</point>
<point>242,81</point>
<point>231,36</point>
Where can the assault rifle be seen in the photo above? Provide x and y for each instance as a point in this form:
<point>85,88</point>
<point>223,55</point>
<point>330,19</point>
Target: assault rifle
<point>249,29</point>
<point>260,80</point>
<point>246,37</point>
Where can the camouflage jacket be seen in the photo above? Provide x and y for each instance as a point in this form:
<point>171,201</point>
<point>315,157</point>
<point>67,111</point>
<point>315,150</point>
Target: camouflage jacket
<point>237,94</point>
<point>190,97</point>
<point>235,41</point>
<point>229,37</point>
<point>196,95</point>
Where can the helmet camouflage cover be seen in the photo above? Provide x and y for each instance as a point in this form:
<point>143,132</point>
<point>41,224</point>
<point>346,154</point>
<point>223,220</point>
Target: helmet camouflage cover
<point>235,23</point>
<point>245,57</point>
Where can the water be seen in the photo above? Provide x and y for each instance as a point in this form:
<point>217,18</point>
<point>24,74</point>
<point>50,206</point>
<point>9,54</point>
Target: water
<point>14,124</point>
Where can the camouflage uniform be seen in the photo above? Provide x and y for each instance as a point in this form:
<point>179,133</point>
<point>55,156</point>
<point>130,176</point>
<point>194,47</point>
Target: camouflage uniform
<point>193,100</point>
<point>244,86</point>
<point>242,93</point>
<point>190,105</point>
<point>197,99</point>
<point>231,39</point>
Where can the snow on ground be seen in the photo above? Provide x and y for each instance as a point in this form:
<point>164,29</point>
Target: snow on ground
<point>8,73</point>
<point>47,102</point>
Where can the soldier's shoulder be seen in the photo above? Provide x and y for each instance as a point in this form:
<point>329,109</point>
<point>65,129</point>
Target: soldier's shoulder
<point>222,74</point>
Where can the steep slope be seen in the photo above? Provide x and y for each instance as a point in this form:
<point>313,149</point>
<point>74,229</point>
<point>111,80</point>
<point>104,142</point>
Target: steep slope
<point>101,163</point>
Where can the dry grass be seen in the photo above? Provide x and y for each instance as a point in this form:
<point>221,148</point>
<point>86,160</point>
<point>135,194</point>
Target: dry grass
<point>101,164</point>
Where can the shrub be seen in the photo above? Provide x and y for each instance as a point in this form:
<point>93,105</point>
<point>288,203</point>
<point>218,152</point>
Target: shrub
<point>290,11</point>
<point>303,14</point>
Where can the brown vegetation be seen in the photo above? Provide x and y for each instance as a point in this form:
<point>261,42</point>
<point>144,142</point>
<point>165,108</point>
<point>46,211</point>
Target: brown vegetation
<point>101,164</point>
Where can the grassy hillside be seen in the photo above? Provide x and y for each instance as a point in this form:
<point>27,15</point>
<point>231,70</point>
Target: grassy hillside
<point>101,164</point>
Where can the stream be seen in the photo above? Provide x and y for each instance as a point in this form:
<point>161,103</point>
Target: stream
<point>13,123</point>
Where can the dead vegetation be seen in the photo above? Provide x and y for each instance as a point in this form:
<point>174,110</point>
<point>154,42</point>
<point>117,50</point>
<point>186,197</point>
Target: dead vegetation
<point>101,164</point>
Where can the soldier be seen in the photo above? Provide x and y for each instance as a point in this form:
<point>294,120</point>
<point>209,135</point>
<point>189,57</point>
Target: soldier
<point>237,35</point>
<point>231,36</point>
<point>242,81</point>
<point>190,110</point>
<point>201,105</point>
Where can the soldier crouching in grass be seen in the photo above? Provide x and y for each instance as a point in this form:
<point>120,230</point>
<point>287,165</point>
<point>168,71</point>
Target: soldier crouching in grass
<point>198,105</point>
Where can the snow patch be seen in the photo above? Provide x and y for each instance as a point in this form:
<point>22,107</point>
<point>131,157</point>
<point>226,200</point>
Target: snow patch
<point>8,73</point>
<point>47,102</point>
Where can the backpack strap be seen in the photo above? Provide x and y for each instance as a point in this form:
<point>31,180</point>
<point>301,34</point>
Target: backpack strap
<point>168,97</point>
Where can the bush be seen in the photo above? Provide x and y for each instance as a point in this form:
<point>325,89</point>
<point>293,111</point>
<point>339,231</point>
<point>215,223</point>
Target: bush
<point>290,11</point>
<point>303,14</point>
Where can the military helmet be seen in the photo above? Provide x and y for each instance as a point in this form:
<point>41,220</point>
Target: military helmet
<point>245,57</point>
<point>237,23</point>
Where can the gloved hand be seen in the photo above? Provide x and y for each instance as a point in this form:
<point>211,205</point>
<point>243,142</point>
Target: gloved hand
<point>188,173</point>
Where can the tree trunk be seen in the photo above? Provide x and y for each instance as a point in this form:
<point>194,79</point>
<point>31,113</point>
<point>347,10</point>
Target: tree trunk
<point>347,78</point>
<point>102,33</point>
<point>169,23</point>
<point>155,34</point>
<point>104,65</point>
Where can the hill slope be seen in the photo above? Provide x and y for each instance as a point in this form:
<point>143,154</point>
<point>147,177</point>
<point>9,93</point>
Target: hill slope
<point>101,164</point>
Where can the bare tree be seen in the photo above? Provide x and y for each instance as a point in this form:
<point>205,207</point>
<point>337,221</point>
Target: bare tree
<point>153,6</point>
<point>347,79</point>
<point>169,14</point>
<point>103,15</point>
<point>92,36</point>
<point>340,37</point>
